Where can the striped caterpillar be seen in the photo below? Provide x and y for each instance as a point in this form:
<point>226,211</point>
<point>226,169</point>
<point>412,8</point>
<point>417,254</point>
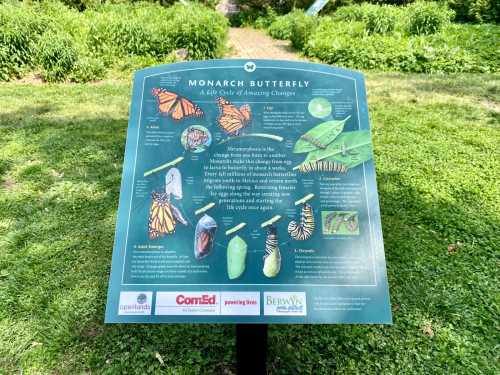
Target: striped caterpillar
<point>313,141</point>
<point>272,256</point>
<point>305,229</point>
<point>322,166</point>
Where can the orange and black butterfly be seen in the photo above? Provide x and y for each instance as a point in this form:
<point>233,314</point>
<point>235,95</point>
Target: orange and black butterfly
<point>169,103</point>
<point>232,119</point>
<point>163,216</point>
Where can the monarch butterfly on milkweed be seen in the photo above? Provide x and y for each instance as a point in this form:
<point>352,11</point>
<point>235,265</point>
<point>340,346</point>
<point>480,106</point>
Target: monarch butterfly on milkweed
<point>195,137</point>
<point>272,256</point>
<point>163,216</point>
<point>231,118</point>
<point>305,229</point>
<point>169,103</point>
<point>322,166</point>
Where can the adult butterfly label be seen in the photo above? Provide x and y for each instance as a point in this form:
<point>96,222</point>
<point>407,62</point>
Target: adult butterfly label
<point>248,196</point>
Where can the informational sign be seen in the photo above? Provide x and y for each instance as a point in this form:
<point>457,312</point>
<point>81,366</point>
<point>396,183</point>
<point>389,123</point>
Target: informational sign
<point>316,7</point>
<point>248,196</point>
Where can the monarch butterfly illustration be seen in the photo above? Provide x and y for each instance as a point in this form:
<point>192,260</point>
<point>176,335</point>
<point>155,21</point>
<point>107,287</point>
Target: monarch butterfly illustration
<point>169,103</point>
<point>231,118</point>
<point>195,137</point>
<point>272,256</point>
<point>163,216</point>
<point>323,166</point>
<point>305,229</point>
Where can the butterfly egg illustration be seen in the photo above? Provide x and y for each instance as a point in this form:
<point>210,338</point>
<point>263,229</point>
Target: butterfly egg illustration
<point>204,236</point>
<point>305,229</point>
<point>322,166</point>
<point>272,256</point>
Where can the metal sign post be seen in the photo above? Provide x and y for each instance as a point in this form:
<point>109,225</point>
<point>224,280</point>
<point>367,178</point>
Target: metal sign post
<point>251,349</point>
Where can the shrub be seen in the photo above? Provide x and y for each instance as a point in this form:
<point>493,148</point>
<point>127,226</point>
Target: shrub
<point>458,48</point>
<point>56,55</point>
<point>122,30</point>
<point>476,10</point>
<point>198,29</point>
<point>427,17</point>
<point>20,29</point>
<point>281,28</point>
<point>301,27</point>
<point>378,19</point>
<point>87,69</point>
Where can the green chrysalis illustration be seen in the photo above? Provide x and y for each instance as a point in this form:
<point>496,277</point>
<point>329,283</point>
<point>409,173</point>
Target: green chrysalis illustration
<point>236,257</point>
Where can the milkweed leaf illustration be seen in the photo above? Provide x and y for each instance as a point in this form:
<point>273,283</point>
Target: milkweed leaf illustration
<point>363,153</point>
<point>319,137</point>
<point>349,149</point>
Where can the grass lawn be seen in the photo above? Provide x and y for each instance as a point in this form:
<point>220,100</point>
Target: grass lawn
<point>437,156</point>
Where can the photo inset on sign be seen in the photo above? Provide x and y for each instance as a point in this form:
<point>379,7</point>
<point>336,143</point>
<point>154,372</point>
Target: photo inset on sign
<point>196,138</point>
<point>340,222</point>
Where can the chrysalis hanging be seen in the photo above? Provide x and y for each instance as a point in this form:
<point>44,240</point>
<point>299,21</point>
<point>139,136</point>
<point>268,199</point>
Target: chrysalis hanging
<point>173,183</point>
<point>204,236</point>
<point>305,229</point>
<point>236,257</point>
<point>272,256</point>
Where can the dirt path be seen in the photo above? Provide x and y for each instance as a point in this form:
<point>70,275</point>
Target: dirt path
<point>255,44</point>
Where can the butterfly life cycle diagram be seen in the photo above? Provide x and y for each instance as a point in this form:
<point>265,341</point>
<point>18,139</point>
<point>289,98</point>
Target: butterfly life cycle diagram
<point>248,196</point>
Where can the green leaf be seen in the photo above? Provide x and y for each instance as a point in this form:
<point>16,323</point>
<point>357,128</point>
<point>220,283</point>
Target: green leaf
<point>320,136</point>
<point>363,153</point>
<point>345,143</point>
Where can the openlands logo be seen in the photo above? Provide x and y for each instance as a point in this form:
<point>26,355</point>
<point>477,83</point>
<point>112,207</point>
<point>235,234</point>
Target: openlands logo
<point>135,303</point>
<point>142,299</point>
<point>285,303</point>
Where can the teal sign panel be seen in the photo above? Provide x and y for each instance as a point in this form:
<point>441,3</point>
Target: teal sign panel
<point>316,7</point>
<point>248,196</point>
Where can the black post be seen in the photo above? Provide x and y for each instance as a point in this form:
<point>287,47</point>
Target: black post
<point>251,349</point>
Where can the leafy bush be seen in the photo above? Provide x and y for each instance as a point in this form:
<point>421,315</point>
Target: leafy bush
<point>476,10</point>
<point>56,55</point>
<point>427,17</point>
<point>121,30</point>
<point>21,27</point>
<point>458,48</point>
<point>87,69</point>
<point>282,26</point>
<point>302,26</point>
<point>378,19</point>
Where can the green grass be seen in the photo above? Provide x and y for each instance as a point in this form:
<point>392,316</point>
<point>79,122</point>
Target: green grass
<point>437,158</point>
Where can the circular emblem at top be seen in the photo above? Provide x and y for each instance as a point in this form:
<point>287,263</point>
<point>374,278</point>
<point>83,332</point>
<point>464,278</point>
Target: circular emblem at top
<point>250,66</point>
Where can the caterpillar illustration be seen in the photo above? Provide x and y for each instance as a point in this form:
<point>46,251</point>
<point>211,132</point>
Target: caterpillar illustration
<point>313,141</point>
<point>305,229</point>
<point>322,166</point>
<point>272,256</point>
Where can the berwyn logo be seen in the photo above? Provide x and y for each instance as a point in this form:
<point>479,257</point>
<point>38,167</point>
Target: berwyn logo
<point>285,303</point>
<point>205,299</point>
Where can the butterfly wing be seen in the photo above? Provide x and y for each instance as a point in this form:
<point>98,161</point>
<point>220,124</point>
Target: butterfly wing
<point>174,105</point>
<point>231,119</point>
<point>166,100</point>
<point>161,218</point>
